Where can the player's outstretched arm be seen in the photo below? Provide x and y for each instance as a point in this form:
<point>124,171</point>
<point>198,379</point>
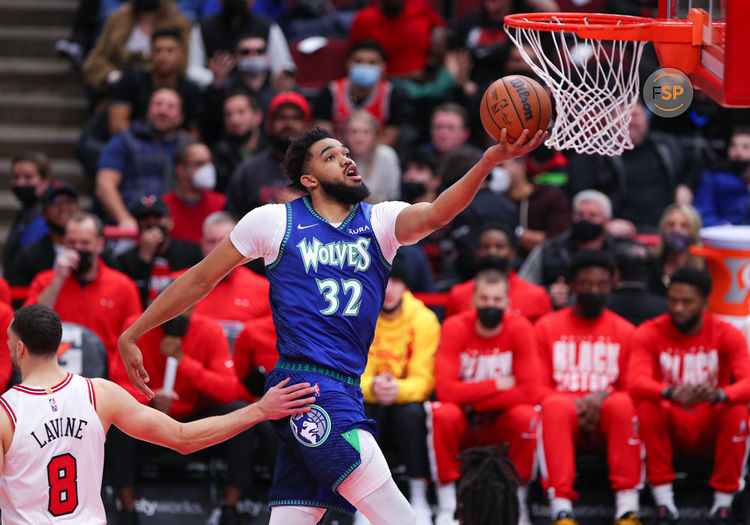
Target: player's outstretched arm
<point>116,406</point>
<point>419,220</point>
<point>189,288</point>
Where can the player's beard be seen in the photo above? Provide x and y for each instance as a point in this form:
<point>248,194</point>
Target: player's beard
<point>344,193</point>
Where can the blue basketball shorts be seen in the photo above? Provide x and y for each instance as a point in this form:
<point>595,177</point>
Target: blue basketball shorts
<point>320,448</point>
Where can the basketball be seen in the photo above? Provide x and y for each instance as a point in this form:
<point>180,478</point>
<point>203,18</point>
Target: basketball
<point>515,102</point>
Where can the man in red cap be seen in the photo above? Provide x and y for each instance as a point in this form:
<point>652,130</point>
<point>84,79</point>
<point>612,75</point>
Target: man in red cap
<point>259,180</point>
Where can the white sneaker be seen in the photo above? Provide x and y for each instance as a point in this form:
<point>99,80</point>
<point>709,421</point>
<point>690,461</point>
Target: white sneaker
<point>445,518</point>
<point>359,519</point>
<point>423,512</point>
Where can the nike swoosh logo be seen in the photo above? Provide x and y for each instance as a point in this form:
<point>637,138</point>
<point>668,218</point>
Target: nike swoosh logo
<point>300,227</point>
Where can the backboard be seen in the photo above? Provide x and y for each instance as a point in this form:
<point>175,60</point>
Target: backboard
<point>724,68</point>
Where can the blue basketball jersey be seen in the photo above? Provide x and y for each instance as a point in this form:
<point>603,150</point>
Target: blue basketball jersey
<point>327,288</point>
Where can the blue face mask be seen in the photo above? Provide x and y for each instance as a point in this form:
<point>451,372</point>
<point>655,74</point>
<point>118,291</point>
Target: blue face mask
<point>364,75</point>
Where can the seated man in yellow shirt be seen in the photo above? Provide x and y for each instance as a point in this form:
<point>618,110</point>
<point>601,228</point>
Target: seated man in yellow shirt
<point>399,377</point>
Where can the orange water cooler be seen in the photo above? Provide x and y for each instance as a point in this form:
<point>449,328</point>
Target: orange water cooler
<point>726,250</point>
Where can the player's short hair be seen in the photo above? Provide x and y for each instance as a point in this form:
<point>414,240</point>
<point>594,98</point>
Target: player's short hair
<point>591,259</point>
<point>39,328</point>
<point>458,109</point>
<point>167,32</point>
<point>490,276</point>
<point>82,216</point>
<point>594,196</point>
<point>369,45</point>
<point>486,490</point>
<point>510,234</point>
<point>699,279</point>
<point>298,154</point>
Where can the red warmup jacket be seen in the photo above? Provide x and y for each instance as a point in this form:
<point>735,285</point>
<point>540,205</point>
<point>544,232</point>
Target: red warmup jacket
<point>663,357</point>
<point>526,298</point>
<point>255,346</point>
<point>466,365</point>
<point>205,374</point>
<point>6,367</point>
<point>581,356</point>
<point>240,296</point>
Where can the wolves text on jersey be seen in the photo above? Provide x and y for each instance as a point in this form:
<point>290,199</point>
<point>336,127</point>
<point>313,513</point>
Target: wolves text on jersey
<point>338,253</point>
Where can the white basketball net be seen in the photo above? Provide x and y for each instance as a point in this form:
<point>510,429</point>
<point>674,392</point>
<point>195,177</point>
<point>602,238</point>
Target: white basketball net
<point>594,83</point>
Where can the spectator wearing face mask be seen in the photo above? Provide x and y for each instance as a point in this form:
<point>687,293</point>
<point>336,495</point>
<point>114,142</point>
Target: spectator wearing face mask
<point>59,203</point>
<point>84,290</point>
<point>193,198</point>
<point>30,176</point>
<point>247,70</point>
<point>547,264</point>
<point>678,230</point>
<point>364,88</point>
<point>242,136</point>
<point>157,254</point>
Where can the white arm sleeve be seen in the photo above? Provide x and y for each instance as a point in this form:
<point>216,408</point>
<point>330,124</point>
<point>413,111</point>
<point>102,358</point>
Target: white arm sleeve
<point>260,232</point>
<point>383,219</point>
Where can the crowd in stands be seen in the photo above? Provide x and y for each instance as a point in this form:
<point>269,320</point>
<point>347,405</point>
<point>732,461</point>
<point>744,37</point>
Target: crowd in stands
<point>573,316</point>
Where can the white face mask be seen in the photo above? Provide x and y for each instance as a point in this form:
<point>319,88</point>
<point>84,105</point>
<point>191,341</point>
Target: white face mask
<point>500,181</point>
<point>204,178</point>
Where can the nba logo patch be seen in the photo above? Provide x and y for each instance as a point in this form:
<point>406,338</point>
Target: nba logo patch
<point>311,428</point>
<point>52,404</point>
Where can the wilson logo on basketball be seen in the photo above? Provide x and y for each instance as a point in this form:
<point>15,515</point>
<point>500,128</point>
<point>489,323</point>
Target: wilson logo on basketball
<point>523,95</point>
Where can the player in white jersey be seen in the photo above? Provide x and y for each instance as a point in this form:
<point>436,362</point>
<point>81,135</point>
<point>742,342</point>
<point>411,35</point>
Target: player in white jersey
<point>52,428</point>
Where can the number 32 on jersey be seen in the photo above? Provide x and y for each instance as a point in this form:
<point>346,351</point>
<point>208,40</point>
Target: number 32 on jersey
<point>336,291</point>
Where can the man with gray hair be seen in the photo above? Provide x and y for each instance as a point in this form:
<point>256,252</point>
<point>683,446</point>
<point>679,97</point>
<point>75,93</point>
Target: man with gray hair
<point>547,264</point>
<point>243,294</point>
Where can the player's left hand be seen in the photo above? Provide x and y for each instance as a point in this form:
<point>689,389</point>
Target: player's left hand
<point>503,151</point>
<point>133,360</point>
<point>282,400</point>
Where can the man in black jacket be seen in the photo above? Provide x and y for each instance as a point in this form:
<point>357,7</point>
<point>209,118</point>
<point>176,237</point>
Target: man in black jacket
<point>631,297</point>
<point>157,254</point>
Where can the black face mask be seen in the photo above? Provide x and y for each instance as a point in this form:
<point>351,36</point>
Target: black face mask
<point>279,143</point>
<point>55,228</point>
<point>140,6</point>
<point>591,304</point>
<point>490,316</point>
<point>687,325</point>
<point>493,261</point>
<point>391,310</point>
<point>344,193</point>
<point>85,262</point>
<point>176,326</point>
<point>584,231</point>
<point>232,8</point>
<point>676,241</point>
<point>25,194</point>
<point>411,190</point>
<point>739,167</point>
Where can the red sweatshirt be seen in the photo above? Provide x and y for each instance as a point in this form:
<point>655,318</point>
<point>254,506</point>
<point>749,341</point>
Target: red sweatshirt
<point>581,356</point>
<point>526,298</point>
<point>205,374</point>
<point>240,296</point>
<point>664,357</point>
<point>255,346</point>
<point>6,367</point>
<point>466,365</point>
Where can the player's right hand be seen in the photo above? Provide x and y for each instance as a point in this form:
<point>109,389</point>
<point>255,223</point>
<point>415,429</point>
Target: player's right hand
<point>133,360</point>
<point>282,400</point>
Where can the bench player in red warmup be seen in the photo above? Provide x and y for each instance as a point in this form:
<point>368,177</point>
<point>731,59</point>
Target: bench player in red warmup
<point>691,381</point>
<point>584,350</point>
<point>52,428</point>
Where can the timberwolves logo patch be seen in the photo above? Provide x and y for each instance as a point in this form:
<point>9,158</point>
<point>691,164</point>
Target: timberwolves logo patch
<point>311,428</point>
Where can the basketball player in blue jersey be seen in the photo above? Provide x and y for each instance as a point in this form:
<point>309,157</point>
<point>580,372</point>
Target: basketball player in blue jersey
<point>327,257</point>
